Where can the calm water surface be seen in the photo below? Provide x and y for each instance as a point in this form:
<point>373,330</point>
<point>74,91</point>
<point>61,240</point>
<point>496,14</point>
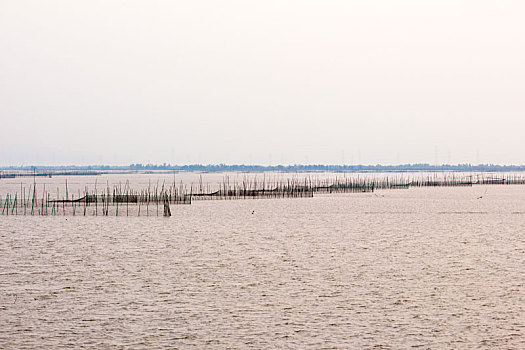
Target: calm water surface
<point>430,268</point>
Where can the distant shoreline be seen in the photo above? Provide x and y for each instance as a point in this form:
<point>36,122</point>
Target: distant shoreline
<point>14,171</point>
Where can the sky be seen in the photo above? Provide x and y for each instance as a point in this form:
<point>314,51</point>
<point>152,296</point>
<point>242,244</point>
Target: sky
<point>262,82</point>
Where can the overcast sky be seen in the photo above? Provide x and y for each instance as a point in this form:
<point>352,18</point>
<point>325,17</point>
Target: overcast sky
<point>266,82</point>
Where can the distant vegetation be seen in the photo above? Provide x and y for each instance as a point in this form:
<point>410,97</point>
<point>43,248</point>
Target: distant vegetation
<point>261,168</point>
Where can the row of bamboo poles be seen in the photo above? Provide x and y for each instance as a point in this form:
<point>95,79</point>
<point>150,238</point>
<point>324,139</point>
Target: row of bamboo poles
<point>122,199</point>
<point>105,202</point>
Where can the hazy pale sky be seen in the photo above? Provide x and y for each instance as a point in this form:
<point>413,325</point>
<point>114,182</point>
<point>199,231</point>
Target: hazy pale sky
<point>267,82</point>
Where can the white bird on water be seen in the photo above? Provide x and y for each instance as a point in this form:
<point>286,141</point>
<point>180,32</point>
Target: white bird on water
<point>483,194</point>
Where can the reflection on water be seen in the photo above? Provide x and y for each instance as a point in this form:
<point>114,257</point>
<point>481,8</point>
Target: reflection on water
<point>424,267</point>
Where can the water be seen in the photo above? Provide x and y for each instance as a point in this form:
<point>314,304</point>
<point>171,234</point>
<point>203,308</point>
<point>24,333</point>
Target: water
<point>431,268</point>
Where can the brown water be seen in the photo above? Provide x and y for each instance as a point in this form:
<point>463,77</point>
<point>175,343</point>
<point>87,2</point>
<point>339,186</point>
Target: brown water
<point>432,268</point>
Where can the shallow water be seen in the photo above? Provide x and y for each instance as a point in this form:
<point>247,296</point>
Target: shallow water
<point>425,268</point>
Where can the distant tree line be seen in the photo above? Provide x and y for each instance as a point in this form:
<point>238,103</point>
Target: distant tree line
<point>278,168</point>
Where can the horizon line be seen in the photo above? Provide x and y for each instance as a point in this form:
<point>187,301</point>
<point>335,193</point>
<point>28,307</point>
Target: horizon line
<point>218,166</point>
